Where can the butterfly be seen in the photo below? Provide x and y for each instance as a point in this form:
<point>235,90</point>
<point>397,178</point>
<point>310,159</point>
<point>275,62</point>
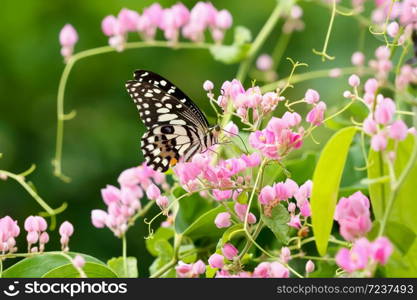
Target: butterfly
<point>176,127</point>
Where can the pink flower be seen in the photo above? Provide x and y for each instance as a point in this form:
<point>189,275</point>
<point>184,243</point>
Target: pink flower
<point>381,250</point>
<point>384,111</point>
<point>208,85</point>
<point>271,270</point>
<point>78,261</point>
<point>267,195</point>
<point>252,160</point>
<point>312,96</point>
<point>153,192</point>
<point>223,220</point>
<point>110,26</point>
<point>35,223</point>
<point>190,270</point>
<point>370,126</point>
<point>110,194</point>
<point>295,221</point>
<point>358,59</point>
<point>393,29</point>
<point>264,62</point>
<point>353,216</point>
<point>354,80</point>
<point>224,19</point>
<point>222,195</point>
<point>66,229</point>
<point>68,37</point>
<point>216,261</point>
<point>231,129</point>
<point>162,202</point>
<point>408,14</point>
<point>310,266</point>
<point>398,130</point>
<point>128,20</point>
<point>229,251</point>
<point>98,218</point>
<point>379,142</point>
<point>241,209</point>
<point>285,255</point>
<point>291,118</point>
<point>371,85</point>
<point>316,115</point>
<point>44,238</point>
<point>355,259</point>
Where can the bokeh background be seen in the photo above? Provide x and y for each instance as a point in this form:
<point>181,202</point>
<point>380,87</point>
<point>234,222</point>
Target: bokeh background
<point>103,139</point>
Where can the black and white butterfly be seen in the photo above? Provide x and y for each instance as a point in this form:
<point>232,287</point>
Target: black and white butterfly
<point>176,127</point>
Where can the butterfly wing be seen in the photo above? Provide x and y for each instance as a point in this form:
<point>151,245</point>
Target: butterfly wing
<point>164,145</point>
<point>176,126</point>
<point>159,82</point>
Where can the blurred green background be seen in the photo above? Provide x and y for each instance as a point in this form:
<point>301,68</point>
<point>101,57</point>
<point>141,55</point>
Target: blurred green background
<point>103,139</point>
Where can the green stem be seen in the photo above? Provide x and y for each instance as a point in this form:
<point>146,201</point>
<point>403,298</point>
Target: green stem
<point>296,78</point>
<point>323,53</point>
<point>259,41</point>
<point>61,116</point>
<point>280,48</point>
<point>21,180</point>
<point>124,246</point>
<point>396,188</point>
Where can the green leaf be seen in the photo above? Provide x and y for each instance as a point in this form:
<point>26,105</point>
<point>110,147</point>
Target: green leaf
<point>162,233</point>
<point>301,169</point>
<point>92,270</point>
<point>230,232</point>
<point>117,265</point>
<point>189,208</point>
<point>165,253</point>
<point>204,225</point>
<point>277,222</point>
<point>39,265</point>
<point>403,265</point>
<point>190,258</point>
<point>326,182</point>
<point>210,272</point>
<point>404,210</point>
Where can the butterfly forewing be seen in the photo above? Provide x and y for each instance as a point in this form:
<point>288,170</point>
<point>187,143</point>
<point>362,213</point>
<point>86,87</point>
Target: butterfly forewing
<point>176,126</point>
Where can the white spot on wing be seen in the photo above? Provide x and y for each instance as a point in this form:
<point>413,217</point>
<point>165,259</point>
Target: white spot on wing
<point>167,117</point>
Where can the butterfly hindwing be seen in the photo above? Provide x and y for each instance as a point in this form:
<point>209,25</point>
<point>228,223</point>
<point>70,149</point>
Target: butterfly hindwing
<point>163,146</point>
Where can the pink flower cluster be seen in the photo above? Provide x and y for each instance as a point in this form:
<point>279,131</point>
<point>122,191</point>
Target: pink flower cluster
<point>172,21</point>
<point>222,177</point>
<point>404,11</point>
<point>247,101</point>
<point>382,64</point>
<point>363,254</point>
<point>407,75</point>
<point>9,230</point>
<point>68,37</point>
<point>293,21</point>
<point>224,219</point>
<point>380,123</point>
<point>353,215</point>
<point>190,270</point>
<point>278,138</point>
<point>36,228</point>
<point>224,263</point>
<point>123,203</point>
<point>270,196</point>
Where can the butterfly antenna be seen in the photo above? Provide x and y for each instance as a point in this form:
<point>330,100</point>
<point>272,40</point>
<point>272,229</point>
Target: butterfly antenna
<point>244,145</point>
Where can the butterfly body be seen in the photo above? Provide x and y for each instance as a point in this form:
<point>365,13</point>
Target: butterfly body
<point>176,128</point>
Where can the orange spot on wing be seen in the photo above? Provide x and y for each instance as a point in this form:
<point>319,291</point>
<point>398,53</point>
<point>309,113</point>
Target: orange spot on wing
<point>173,162</point>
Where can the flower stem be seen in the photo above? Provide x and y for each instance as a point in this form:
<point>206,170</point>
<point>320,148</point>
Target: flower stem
<point>259,41</point>
<point>323,53</point>
<point>124,246</point>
